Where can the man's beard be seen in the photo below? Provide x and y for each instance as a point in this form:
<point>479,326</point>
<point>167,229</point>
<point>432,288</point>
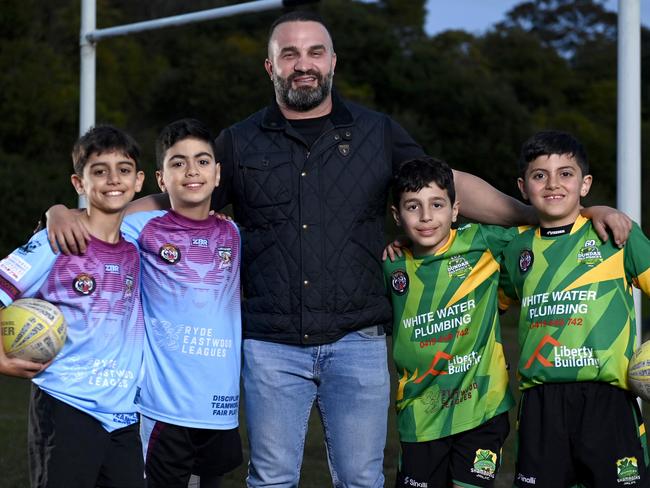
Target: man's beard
<point>303,98</point>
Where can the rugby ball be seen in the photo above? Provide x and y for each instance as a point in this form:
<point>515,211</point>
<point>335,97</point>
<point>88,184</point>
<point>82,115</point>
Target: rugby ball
<point>32,329</point>
<point>638,372</point>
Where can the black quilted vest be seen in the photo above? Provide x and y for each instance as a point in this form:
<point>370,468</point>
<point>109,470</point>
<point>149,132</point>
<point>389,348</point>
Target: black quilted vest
<point>312,222</point>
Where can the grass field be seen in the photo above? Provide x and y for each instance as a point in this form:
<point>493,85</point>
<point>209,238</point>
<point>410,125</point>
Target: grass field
<point>13,446</point>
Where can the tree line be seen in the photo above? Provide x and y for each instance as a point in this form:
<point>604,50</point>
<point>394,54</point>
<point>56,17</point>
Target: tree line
<point>469,99</point>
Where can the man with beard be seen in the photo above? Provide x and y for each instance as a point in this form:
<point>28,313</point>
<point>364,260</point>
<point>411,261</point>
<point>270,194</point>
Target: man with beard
<point>308,178</point>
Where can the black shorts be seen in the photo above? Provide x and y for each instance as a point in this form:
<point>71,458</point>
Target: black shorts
<point>584,433</point>
<point>469,458</point>
<point>69,448</point>
<point>174,452</point>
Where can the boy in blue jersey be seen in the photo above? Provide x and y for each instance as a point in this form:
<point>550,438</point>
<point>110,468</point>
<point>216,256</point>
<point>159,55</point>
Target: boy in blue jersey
<point>83,425</point>
<point>189,395</point>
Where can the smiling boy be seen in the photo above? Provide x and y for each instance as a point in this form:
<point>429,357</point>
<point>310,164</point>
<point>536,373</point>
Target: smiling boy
<point>452,394</point>
<point>83,422</point>
<point>578,423</point>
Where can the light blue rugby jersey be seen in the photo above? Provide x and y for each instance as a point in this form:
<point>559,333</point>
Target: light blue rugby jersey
<point>98,293</point>
<point>192,312</point>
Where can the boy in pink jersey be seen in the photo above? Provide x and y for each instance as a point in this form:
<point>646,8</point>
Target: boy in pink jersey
<point>83,424</point>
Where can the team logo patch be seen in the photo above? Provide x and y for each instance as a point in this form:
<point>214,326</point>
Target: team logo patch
<point>627,470</point>
<point>112,268</point>
<point>589,254</point>
<point>84,284</point>
<point>225,253</point>
<point>128,286</point>
<point>526,259</point>
<point>344,149</point>
<point>485,464</point>
<point>170,253</point>
<point>458,267</point>
<point>399,280</point>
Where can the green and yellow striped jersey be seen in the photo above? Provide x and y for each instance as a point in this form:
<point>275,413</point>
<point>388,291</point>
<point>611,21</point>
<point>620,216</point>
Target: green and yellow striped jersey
<point>446,337</point>
<point>577,312</point>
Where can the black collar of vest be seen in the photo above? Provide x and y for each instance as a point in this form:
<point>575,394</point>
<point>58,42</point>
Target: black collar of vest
<point>339,116</point>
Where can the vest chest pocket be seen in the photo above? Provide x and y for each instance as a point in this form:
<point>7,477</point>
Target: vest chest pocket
<point>266,178</point>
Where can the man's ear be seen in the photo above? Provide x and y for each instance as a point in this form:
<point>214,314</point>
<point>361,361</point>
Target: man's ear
<point>268,66</point>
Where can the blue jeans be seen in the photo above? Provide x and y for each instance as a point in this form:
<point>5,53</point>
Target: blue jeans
<point>349,381</point>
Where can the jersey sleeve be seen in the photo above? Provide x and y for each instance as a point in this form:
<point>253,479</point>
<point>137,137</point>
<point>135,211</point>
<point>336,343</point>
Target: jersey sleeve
<point>507,294</point>
<point>23,272</point>
<point>133,224</point>
<point>637,259</point>
<point>497,237</point>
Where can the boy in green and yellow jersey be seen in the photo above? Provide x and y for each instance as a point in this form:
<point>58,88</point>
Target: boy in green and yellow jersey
<point>578,423</point>
<point>453,395</point>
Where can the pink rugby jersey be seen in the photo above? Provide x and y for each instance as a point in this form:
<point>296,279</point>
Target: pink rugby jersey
<point>191,306</point>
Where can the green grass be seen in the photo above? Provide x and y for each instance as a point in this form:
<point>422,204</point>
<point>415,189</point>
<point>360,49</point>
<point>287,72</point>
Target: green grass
<point>14,396</point>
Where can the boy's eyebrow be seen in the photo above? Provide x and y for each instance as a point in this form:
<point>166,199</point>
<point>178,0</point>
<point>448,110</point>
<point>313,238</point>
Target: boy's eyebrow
<point>197,155</point>
<point>105,163</point>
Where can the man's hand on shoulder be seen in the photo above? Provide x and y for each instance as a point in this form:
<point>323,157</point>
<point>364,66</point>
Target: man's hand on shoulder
<point>607,219</point>
<point>66,230</point>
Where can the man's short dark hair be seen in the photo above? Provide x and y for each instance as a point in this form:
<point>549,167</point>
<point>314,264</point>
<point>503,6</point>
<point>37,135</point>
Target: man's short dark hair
<point>297,16</point>
<point>102,139</point>
<point>415,174</point>
<point>548,142</point>
<point>179,130</point>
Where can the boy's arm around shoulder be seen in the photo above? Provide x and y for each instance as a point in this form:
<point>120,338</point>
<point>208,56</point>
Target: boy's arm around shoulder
<point>68,233</point>
<point>637,259</point>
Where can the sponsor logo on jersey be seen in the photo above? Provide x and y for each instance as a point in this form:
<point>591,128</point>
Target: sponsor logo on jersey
<point>128,286</point>
<point>125,418</point>
<point>31,246</point>
<point>112,268</point>
<point>485,464</point>
<point>170,253</point>
<point>627,470</point>
<point>526,259</point>
<point>589,254</point>
<point>458,267</point>
<point>563,356</point>
<point>14,267</point>
<point>225,254</point>
<point>84,284</point>
<point>399,281</point>
<point>414,483</point>
<point>530,480</point>
<point>200,242</point>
